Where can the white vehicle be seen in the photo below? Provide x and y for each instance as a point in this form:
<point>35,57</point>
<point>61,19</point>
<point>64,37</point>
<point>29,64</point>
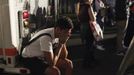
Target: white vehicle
<point>13,19</point>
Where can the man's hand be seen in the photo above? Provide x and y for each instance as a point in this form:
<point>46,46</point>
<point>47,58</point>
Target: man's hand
<point>89,2</point>
<point>63,38</point>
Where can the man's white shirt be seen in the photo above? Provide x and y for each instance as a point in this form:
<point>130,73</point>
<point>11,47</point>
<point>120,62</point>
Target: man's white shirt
<point>44,43</point>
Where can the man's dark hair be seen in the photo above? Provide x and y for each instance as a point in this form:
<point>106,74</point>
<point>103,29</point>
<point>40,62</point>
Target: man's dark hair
<point>64,23</point>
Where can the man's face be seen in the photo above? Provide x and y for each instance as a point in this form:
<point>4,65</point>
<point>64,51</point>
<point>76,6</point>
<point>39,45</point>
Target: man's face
<point>90,1</point>
<point>64,32</point>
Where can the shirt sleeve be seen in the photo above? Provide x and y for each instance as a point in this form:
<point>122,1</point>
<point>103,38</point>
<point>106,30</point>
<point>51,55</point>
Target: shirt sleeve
<point>46,44</point>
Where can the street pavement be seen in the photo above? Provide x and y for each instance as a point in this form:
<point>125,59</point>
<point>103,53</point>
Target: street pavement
<point>108,60</point>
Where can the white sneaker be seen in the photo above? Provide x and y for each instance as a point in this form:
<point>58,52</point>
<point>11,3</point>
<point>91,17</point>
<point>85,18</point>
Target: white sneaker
<point>99,47</point>
<point>120,54</point>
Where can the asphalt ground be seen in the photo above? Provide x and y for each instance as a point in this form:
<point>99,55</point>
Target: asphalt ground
<point>108,61</point>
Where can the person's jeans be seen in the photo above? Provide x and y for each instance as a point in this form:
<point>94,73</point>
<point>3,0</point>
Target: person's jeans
<point>88,41</point>
<point>35,65</point>
<point>129,32</point>
<point>121,27</point>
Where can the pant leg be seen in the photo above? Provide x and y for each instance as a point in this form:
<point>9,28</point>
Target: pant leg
<point>100,21</point>
<point>129,32</point>
<point>87,40</point>
<point>35,65</point>
<point>121,27</point>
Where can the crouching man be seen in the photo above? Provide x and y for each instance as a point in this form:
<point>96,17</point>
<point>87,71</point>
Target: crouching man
<point>48,54</point>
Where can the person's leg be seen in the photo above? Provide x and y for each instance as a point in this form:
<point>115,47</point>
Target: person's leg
<point>110,16</point>
<point>35,65</point>
<point>89,49</point>
<point>129,32</point>
<point>99,44</point>
<point>121,25</point>
<point>88,56</point>
<point>65,65</point>
<point>100,20</point>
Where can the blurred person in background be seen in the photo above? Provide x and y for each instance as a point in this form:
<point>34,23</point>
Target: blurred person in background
<point>99,9</point>
<point>130,28</point>
<point>121,22</point>
<point>86,14</point>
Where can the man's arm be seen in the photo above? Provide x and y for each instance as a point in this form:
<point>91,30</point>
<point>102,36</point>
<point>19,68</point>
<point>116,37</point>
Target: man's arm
<point>57,53</point>
<point>64,52</point>
<point>91,13</point>
<point>77,8</point>
<point>52,58</point>
<point>61,46</point>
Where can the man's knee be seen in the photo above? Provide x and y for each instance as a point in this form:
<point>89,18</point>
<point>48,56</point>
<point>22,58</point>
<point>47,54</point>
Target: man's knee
<point>52,71</point>
<point>69,63</point>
